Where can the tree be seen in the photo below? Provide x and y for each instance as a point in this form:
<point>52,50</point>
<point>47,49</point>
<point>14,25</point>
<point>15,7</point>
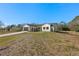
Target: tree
<point>64,26</point>
<point>1,24</point>
<point>12,26</point>
<point>19,25</point>
<point>74,23</point>
<point>77,28</point>
<point>8,28</point>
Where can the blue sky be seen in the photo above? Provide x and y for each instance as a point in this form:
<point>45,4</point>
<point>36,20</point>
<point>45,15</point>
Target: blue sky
<point>37,13</point>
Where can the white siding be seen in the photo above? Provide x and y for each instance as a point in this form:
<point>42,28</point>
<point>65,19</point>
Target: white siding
<point>26,26</point>
<point>45,26</point>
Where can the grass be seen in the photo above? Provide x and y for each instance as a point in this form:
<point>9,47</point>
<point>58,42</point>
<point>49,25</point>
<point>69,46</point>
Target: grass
<point>5,32</point>
<point>41,43</point>
<point>4,41</point>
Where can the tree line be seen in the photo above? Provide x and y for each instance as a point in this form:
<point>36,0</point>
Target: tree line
<point>12,27</point>
<point>62,26</point>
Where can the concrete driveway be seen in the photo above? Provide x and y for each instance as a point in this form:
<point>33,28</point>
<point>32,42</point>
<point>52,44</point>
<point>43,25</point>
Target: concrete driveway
<point>9,34</point>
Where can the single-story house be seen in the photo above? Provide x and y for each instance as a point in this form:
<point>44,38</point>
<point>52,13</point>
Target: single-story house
<point>42,27</point>
<point>32,27</point>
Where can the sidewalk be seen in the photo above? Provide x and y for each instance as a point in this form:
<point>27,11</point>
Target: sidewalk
<point>9,34</point>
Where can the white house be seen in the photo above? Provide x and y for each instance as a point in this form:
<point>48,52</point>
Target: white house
<point>46,27</point>
<point>26,28</point>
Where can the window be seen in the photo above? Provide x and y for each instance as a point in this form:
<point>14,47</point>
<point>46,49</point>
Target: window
<point>43,27</point>
<point>47,27</point>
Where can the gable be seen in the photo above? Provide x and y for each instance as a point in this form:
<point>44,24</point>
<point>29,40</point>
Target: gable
<point>46,25</point>
<point>26,26</point>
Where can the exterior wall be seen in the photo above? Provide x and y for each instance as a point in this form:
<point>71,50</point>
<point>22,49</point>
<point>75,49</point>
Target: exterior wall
<point>56,28</point>
<point>48,28</point>
<point>26,28</point>
<point>45,26</point>
<point>35,29</point>
<point>31,28</point>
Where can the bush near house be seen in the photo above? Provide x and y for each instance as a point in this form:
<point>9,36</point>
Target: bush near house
<point>63,26</point>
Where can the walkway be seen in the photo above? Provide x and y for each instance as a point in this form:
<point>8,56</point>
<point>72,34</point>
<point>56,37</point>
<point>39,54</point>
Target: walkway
<point>9,34</point>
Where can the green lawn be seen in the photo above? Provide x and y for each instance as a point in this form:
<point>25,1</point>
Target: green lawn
<point>41,43</point>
